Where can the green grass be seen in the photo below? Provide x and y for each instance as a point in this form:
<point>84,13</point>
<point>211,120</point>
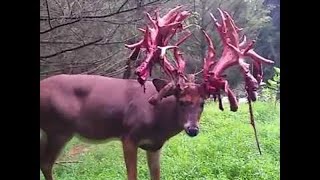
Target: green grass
<point>224,149</point>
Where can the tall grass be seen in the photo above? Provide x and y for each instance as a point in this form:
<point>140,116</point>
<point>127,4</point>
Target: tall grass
<point>224,149</point>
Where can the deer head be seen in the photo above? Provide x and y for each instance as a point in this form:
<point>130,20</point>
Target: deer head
<point>190,96</point>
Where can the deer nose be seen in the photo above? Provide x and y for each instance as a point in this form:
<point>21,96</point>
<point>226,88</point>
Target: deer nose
<point>192,131</point>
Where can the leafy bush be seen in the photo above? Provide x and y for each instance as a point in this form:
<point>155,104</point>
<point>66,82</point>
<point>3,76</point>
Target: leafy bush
<point>271,90</point>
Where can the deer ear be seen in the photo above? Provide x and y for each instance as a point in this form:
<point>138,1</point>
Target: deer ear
<point>164,89</point>
<point>202,91</point>
<point>159,83</point>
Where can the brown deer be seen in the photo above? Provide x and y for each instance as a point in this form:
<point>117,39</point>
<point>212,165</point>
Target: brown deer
<point>98,108</point>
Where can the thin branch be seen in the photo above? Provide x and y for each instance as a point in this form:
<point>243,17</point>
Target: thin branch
<point>50,63</point>
<point>101,16</point>
<point>48,12</point>
<point>198,72</point>
<point>122,6</point>
<point>113,22</point>
<point>45,73</point>
<point>61,162</point>
<point>97,44</point>
<point>253,125</point>
<point>65,24</point>
<point>58,42</point>
<point>116,72</point>
<point>71,49</point>
<point>77,35</point>
<point>68,42</point>
<point>117,42</point>
<point>61,9</point>
<point>102,65</point>
<point>113,32</point>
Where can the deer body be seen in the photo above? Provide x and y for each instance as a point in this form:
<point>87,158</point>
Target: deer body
<point>100,108</point>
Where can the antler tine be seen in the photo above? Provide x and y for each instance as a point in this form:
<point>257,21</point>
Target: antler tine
<point>164,49</point>
<point>153,22</point>
<point>209,59</point>
<point>170,16</point>
<point>232,30</point>
<point>243,42</point>
<point>180,62</point>
<point>211,50</point>
<point>232,22</point>
<point>256,57</point>
<point>223,26</point>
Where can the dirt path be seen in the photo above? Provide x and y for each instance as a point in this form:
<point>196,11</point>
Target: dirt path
<point>73,154</point>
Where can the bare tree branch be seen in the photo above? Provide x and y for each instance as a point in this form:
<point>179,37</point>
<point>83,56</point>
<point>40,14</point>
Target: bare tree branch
<point>113,22</point>
<point>51,63</point>
<point>105,64</point>
<point>113,32</point>
<point>48,12</point>
<point>97,44</point>
<point>122,6</point>
<point>101,16</point>
<point>116,72</point>
<point>77,35</point>
<point>71,49</point>
<point>65,24</point>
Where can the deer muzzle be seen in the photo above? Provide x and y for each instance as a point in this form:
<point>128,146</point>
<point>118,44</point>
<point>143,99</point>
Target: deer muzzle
<point>192,131</point>
<point>192,128</point>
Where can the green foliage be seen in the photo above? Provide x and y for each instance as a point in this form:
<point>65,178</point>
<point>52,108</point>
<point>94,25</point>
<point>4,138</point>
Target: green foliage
<point>272,89</point>
<point>224,149</point>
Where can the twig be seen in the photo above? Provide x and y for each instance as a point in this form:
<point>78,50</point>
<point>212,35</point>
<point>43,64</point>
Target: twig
<point>65,24</point>
<point>80,64</point>
<point>77,35</point>
<point>116,72</point>
<point>48,12</point>
<point>198,72</point>
<point>253,124</point>
<point>62,162</point>
<point>122,6</point>
<point>101,16</point>
<point>113,22</point>
<point>113,32</point>
<point>71,49</point>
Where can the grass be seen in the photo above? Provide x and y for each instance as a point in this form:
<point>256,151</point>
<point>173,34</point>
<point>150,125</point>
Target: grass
<point>224,149</point>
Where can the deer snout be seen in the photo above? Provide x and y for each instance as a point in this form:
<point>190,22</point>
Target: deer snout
<point>192,131</point>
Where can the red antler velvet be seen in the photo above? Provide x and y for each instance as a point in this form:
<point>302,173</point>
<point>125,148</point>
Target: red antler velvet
<point>233,53</point>
<point>155,44</point>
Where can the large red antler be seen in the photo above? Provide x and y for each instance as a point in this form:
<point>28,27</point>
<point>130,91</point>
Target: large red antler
<point>155,44</point>
<point>233,53</point>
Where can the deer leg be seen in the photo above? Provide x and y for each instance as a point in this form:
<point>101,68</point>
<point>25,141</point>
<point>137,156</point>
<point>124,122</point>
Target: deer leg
<point>130,156</point>
<point>154,164</point>
<point>52,148</point>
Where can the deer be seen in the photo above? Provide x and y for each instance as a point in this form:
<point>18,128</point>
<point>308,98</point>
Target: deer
<point>96,107</point>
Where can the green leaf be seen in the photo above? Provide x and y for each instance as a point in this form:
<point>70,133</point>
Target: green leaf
<point>276,78</point>
<point>277,70</point>
<point>272,83</point>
